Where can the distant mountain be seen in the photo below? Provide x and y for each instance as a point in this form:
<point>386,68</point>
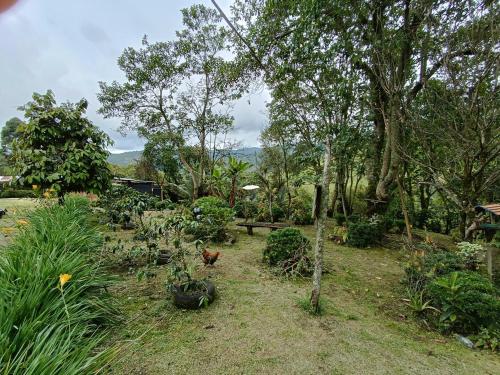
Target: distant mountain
<point>248,154</point>
<point>124,158</point>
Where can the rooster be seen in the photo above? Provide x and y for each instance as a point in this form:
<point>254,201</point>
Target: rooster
<point>209,258</point>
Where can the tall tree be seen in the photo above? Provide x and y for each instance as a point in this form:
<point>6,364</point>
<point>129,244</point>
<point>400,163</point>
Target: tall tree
<point>178,88</point>
<point>312,85</point>
<point>60,149</point>
<point>9,133</point>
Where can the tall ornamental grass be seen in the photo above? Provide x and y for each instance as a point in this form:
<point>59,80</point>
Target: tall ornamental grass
<point>50,323</point>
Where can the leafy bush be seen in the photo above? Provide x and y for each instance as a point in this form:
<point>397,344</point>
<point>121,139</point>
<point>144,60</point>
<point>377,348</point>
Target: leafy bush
<point>264,215</point>
<point>364,233</point>
<point>469,253</point>
<point>424,269</point>
<point>301,209</point>
<point>165,204</point>
<point>487,339</point>
<point>287,249</point>
<point>400,225</point>
<point>434,225</point>
<point>245,209</point>
<point>17,193</point>
<point>210,218</point>
<point>122,203</point>
<point>340,219</point>
<point>52,323</point>
<point>467,302</point>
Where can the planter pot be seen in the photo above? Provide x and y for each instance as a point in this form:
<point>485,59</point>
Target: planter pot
<point>163,258</point>
<point>191,299</point>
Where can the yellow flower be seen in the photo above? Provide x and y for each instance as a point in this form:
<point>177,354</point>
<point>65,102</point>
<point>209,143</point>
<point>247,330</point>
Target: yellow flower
<point>22,222</point>
<point>64,278</point>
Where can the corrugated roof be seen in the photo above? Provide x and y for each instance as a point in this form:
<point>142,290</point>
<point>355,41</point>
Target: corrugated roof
<point>492,207</point>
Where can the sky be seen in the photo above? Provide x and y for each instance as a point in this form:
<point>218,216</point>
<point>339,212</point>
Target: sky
<point>68,46</point>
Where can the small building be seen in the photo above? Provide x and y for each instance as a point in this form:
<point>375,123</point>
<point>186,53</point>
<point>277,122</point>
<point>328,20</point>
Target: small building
<point>489,222</point>
<point>142,186</point>
<point>6,180</point>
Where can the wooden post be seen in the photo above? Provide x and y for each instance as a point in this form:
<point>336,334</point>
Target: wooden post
<point>492,261</point>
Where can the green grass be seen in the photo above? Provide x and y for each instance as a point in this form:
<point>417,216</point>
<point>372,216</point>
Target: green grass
<point>257,326</point>
<point>46,329</point>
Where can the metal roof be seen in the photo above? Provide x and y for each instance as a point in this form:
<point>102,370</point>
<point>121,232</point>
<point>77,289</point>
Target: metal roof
<point>494,208</point>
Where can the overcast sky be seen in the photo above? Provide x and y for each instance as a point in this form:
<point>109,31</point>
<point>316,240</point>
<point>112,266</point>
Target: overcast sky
<point>69,45</point>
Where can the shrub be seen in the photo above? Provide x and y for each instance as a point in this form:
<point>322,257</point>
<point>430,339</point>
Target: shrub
<point>17,193</point>
<point>122,203</point>
<point>487,339</point>
<point>301,210</point>
<point>467,302</point>
<point>263,212</point>
<point>364,233</point>
<point>287,249</point>
<point>469,253</point>
<point>211,216</point>
<point>245,209</point>
<point>340,219</point>
<point>424,269</point>
<point>47,328</point>
<point>165,204</point>
<point>400,225</point>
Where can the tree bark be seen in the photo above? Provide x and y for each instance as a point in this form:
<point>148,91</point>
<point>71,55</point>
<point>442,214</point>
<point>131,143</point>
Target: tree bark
<point>320,229</point>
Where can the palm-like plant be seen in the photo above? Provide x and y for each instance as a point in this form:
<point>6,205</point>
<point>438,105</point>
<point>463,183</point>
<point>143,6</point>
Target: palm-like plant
<point>234,170</point>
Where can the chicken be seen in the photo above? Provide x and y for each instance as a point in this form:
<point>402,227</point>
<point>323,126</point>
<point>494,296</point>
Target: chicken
<point>209,258</point>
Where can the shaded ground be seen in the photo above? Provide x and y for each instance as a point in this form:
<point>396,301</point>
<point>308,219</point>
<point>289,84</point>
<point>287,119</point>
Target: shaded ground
<point>255,326</point>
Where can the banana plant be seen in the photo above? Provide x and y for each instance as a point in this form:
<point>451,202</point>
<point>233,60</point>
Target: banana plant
<point>234,170</point>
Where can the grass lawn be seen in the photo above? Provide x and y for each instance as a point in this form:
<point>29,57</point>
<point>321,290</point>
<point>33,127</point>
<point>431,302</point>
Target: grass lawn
<point>17,208</point>
<point>255,326</point>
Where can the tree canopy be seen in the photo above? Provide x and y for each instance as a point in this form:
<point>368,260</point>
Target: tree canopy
<point>59,148</point>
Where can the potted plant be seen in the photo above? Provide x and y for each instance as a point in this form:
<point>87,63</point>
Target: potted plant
<point>187,292</point>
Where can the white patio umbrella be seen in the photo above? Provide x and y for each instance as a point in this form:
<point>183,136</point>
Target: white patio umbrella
<point>250,187</point>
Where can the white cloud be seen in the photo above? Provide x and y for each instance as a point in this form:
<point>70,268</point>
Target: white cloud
<point>68,46</point>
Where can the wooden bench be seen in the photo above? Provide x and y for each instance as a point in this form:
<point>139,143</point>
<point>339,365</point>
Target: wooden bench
<point>272,226</point>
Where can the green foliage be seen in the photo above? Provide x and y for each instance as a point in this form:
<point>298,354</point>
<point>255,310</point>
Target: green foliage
<point>245,209</point>
<point>17,193</point>
<point>470,252</point>
<point>467,301</point>
<point>9,133</point>
<point>487,339</point>
<point>165,204</point>
<point>46,328</point>
<point>287,249</point>
<point>365,233</point>
<point>340,219</point>
<point>263,213</point>
<point>234,170</point>
<point>417,302</point>
<point>425,268</point>
<point>301,209</point>
<point>400,225</point>
<point>58,148</point>
<point>210,218</point>
<point>122,203</point>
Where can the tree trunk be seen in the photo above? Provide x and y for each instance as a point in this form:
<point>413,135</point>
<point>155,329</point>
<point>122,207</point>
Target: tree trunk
<point>320,229</point>
<point>405,211</point>
<point>233,192</point>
